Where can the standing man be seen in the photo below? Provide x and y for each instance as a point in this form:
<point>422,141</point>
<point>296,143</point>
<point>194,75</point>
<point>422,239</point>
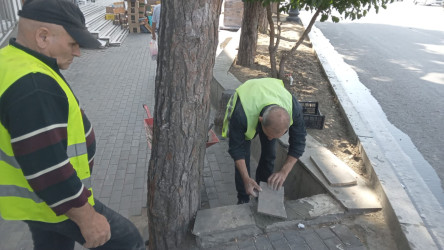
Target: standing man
<point>264,107</point>
<point>155,21</point>
<point>47,144</point>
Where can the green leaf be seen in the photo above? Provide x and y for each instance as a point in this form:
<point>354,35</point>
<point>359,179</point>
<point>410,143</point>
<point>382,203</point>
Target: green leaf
<point>324,17</point>
<point>335,19</point>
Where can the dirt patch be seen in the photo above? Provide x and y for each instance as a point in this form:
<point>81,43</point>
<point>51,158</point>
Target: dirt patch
<point>311,84</point>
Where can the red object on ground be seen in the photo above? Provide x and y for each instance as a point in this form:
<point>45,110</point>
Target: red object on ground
<point>148,124</point>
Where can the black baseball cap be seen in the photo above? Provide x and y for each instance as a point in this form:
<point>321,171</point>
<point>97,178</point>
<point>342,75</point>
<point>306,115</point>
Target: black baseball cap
<point>64,13</point>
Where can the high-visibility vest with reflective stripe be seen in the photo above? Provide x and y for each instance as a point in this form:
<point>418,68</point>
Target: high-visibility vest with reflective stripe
<point>254,95</point>
<point>17,199</point>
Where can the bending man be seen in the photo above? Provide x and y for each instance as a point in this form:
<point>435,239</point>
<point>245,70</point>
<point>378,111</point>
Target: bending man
<point>262,107</point>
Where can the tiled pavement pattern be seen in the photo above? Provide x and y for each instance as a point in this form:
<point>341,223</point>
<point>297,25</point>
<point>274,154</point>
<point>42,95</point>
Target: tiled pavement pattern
<point>218,176</point>
<point>324,238</point>
<point>112,84</point>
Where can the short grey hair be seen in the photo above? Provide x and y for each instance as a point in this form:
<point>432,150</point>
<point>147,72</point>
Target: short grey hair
<point>277,117</point>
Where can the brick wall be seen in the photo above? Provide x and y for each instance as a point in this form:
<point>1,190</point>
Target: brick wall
<point>233,11</point>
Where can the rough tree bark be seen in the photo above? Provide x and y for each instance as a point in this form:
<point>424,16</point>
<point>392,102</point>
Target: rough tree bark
<point>272,46</point>
<point>187,45</point>
<point>248,37</point>
<point>263,22</point>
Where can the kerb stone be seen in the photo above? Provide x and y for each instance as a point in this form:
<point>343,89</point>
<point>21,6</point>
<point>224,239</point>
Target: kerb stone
<point>224,224</point>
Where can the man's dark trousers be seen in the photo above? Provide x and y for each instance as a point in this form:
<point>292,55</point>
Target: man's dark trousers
<point>57,236</point>
<point>265,166</point>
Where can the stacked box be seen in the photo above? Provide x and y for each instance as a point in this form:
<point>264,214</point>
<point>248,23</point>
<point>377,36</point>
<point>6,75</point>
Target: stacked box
<point>109,10</point>
<point>136,11</point>
<point>233,12</point>
<point>119,10</point>
<point>119,4</point>
<point>109,17</point>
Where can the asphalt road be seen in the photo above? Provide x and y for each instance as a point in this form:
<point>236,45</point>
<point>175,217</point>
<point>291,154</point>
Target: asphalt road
<point>399,55</point>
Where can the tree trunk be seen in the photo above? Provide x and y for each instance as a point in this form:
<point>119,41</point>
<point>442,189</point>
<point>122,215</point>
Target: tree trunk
<point>263,21</point>
<point>248,37</point>
<point>187,46</point>
<point>272,46</point>
<point>285,56</point>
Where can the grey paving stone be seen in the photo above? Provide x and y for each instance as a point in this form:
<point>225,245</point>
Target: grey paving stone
<point>129,178</point>
<point>125,203</point>
<point>296,240</point>
<point>109,179</point>
<point>221,219</point>
<point>274,236</point>
<point>281,244</point>
<point>346,236</point>
<point>245,243</point>
<point>271,202</point>
<point>334,243</point>
<point>299,246</point>
<point>262,243</point>
<point>291,234</point>
<point>214,203</point>
<point>118,184</point>
<point>217,176</point>
<point>106,191</point>
<point>120,174</point>
<point>248,248</point>
<point>325,233</point>
<point>115,197</point>
<point>212,193</point>
<point>139,182</point>
<point>313,240</point>
<point>209,182</point>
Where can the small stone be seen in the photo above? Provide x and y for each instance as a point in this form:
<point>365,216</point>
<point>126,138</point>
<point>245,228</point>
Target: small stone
<point>301,226</point>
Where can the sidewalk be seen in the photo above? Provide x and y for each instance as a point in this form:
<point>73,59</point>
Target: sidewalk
<point>112,84</point>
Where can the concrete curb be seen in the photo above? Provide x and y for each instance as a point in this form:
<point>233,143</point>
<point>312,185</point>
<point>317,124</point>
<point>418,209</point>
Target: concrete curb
<point>405,197</point>
<point>381,153</point>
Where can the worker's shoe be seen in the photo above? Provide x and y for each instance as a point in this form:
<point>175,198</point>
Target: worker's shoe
<point>241,201</point>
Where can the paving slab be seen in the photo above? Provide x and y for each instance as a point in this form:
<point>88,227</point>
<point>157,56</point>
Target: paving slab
<point>271,202</point>
<point>335,171</point>
<point>359,198</point>
<point>220,219</point>
<point>217,226</point>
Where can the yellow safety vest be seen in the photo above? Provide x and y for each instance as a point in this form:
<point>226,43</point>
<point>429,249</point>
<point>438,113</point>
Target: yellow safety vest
<point>255,94</point>
<point>18,201</point>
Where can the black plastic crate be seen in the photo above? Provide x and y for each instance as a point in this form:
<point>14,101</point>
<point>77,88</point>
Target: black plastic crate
<point>313,117</point>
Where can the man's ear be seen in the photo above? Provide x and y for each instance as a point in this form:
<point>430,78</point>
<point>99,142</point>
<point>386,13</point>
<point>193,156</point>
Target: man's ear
<point>42,37</point>
<point>260,119</point>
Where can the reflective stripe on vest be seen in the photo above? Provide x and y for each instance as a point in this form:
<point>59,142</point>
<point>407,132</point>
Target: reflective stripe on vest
<point>230,107</point>
<point>10,160</point>
<point>77,149</point>
<point>267,91</point>
<point>17,199</point>
<point>16,191</point>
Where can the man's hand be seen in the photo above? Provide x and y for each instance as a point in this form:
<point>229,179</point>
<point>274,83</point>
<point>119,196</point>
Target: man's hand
<point>94,227</point>
<point>250,187</point>
<point>96,231</point>
<point>153,35</point>
<point>276,180</point>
